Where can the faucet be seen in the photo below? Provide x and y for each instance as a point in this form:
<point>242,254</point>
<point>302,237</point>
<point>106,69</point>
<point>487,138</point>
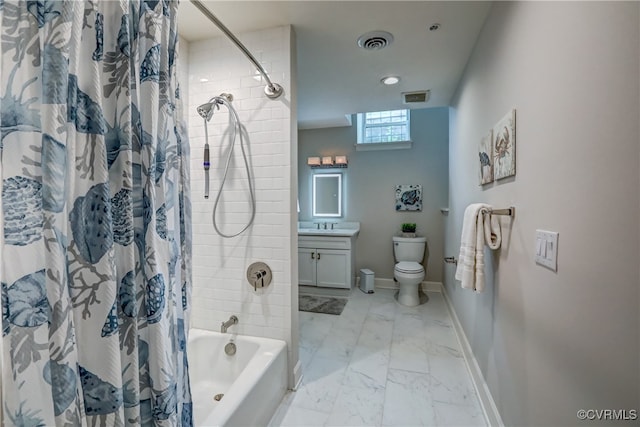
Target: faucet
<point>233,320</point>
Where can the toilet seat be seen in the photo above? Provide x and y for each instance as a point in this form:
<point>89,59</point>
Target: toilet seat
<point>409,267</point>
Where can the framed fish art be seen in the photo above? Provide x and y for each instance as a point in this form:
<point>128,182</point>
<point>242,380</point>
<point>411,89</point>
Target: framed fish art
<point>485,154</point>
<point>409,197</point>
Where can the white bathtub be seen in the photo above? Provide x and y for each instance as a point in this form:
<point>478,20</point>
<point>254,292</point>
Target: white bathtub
<point>253,381</point>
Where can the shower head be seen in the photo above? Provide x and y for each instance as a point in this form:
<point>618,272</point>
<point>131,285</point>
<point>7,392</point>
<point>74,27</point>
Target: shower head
<point>206,110</point>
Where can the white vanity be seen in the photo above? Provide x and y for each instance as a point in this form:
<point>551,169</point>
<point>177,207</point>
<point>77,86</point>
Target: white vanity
<point>326,254</point>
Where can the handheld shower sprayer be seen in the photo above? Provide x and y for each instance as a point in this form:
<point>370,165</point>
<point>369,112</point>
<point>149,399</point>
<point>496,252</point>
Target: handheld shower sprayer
<point>206,112</point>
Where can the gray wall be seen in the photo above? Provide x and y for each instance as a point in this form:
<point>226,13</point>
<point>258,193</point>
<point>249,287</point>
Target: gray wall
<point>552,343</point>
<point>370,182</point>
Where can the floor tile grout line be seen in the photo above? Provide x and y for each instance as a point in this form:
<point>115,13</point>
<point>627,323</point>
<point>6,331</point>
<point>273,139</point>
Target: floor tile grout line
<point>383,311</point>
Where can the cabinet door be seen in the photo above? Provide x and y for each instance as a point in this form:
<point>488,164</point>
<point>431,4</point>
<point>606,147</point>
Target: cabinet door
<point>334,268</point>
<point>307,266</point>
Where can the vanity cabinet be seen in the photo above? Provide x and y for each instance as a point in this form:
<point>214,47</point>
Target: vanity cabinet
<point>326,261</point>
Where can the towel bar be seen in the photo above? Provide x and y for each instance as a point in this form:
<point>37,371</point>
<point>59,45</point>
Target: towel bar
<point>508,211</point>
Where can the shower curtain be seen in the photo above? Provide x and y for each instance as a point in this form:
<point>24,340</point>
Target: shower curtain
<point>96,248</point>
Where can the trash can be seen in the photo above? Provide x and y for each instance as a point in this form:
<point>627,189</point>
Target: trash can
<point>367,278</point>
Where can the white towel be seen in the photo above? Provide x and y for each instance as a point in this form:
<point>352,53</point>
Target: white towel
<point>475,233</point>
<point>492,232</point>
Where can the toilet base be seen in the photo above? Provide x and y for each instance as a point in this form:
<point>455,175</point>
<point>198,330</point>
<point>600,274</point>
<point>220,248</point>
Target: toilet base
<point>410,299</point>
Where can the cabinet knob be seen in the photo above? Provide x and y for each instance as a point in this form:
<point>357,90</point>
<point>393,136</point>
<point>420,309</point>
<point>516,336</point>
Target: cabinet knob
<point>313,255</point>
<point>318,255</point>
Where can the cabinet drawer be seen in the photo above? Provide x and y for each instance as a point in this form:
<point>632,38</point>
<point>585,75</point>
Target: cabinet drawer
<point>324,242</point>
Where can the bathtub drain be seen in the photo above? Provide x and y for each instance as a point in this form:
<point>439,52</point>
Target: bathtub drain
<point>218,397</point>
<point>230,348</point>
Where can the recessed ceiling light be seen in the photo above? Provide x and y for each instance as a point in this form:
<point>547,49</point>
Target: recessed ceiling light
<point>390,80</point>
<point>204,80</point>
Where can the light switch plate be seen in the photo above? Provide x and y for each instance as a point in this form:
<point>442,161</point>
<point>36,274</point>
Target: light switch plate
<point>546,251</point>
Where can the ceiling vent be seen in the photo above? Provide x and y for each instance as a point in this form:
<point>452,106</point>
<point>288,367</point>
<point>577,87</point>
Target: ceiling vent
<point>415,97</point>
<point>375,40</point>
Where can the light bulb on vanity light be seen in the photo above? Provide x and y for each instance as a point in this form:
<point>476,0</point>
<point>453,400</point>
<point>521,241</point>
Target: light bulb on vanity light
<point>313,161</point>
<point>341,160</point>
<point>327,161</point>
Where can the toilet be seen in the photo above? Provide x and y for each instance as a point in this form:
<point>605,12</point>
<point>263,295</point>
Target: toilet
<point>409,253</point>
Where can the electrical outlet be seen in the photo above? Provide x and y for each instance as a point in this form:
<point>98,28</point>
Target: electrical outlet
<point>546,251</point>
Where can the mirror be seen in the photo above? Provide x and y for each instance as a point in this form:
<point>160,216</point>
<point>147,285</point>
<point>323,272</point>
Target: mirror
<point>327,195</point>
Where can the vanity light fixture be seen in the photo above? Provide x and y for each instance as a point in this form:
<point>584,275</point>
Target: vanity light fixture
<point>313,161</point>
<point>327,162</point>
<point>390,80</point>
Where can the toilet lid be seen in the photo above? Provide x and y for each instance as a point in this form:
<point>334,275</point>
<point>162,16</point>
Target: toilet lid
<point>409,267</point>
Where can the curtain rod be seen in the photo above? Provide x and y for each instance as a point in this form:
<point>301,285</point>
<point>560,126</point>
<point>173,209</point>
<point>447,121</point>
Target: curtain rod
<point>272,90</point>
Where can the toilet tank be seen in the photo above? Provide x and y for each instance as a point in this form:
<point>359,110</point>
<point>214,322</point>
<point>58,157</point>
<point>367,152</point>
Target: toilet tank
<point>409,248</point>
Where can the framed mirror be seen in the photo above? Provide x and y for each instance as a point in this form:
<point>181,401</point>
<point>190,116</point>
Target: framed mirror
<point>327,195</point>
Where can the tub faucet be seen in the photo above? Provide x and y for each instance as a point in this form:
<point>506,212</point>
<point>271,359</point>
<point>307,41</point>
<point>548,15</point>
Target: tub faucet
<point>233,320</point>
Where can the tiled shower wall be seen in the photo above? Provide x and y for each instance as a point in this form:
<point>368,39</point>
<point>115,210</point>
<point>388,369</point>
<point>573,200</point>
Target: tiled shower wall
<point>220,285</point>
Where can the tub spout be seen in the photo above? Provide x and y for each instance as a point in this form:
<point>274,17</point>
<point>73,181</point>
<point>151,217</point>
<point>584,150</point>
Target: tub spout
<point>233,320</point>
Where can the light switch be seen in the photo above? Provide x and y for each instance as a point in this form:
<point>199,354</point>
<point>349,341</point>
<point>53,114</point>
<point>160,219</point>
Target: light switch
<point>547,249</point>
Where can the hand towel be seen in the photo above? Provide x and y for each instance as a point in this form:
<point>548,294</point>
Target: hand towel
<point>471,258</point>
<point>492,231</point>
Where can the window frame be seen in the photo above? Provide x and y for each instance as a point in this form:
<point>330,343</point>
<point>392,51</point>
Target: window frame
<point>361,130</point>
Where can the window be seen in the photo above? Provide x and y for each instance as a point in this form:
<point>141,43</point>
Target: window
<point>384,130</point>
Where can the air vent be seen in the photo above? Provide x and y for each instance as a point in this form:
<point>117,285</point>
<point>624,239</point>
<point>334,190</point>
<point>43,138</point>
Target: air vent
<point>375,40</point>
<point>415,97</point>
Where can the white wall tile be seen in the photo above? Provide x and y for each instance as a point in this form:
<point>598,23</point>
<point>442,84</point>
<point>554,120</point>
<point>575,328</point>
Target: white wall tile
<point>219,265</point>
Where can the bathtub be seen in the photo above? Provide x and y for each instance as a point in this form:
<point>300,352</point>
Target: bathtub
<point>253,381</point>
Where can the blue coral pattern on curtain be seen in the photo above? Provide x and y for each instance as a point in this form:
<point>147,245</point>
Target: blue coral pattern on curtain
<point>96,244</point>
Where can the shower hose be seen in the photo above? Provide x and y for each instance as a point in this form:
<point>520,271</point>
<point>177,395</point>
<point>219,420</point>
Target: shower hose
<point>237,132</point>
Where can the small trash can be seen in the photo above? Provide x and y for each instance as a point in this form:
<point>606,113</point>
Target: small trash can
<point>367,278</point>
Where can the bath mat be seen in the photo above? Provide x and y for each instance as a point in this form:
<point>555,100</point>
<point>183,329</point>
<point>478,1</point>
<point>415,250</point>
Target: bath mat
<point>318,304</point>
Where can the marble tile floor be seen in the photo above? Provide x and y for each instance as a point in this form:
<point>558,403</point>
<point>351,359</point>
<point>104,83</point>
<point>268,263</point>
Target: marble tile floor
<point>381,364</point>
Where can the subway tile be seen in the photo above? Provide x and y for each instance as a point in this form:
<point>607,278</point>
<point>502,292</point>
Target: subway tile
<point>220,264</point>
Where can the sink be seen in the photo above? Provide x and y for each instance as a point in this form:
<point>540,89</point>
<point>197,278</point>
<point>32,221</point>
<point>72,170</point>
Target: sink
<point>322,232</point>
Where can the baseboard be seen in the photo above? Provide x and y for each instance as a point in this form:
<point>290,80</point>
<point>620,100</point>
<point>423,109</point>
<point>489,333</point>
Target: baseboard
<point>297,376</point>
<point>378,284</point>
<point>491,413</point>
<point>392,284</point>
